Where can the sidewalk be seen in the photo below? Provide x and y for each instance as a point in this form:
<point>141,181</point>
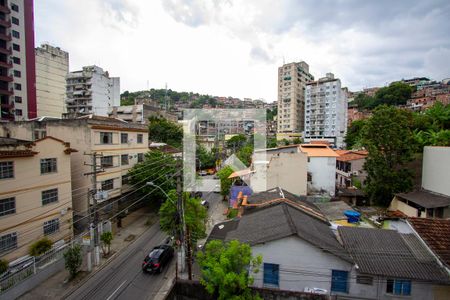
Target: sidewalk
<point>56,286</point>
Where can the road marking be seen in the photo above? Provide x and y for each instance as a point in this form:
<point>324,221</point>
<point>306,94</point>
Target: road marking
<point>116,290</point>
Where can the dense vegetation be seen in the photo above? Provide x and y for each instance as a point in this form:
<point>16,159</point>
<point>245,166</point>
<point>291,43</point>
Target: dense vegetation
<point>397,93</point>
<point>196,100</point>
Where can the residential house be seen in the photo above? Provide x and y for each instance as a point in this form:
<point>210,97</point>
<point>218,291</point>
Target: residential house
<point>35,193</point>
<point>433,199</point>
<point>299,250</point>
<point>391,265</point>
<point>120,145</point>
<point>321,169</point>
<point>349,168</point>
<point>139,113</point>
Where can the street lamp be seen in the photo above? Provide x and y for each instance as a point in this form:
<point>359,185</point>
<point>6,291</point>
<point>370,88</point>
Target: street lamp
<point>150,183</point>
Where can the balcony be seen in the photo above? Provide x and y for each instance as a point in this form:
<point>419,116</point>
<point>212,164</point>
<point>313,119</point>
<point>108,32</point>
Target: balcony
<point>6,23</point>
<point>5,9</point>
<point>5,64</point>
<point>6,92</point>
<point>7,105</point>
<point>6,78</point>
<point>6,51</point>
<point>6,37</point>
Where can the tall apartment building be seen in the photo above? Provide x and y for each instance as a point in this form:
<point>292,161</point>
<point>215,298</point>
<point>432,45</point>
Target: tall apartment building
<point>326,111</point>
<point>292,79</point>
<point>35,193</point>
<point>91,91</point>
<point>52,66</point>
<point>17,62</point>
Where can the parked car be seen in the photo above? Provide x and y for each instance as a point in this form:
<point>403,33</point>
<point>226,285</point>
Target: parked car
<point>158,259</point>
<point>205,204</point>
<point>202,173</point>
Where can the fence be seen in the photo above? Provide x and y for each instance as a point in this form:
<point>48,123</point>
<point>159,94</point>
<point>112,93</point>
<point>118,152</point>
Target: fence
<point>30,267</point>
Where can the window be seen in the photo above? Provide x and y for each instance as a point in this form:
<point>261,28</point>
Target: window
<point>398,287</point>
<point>16,60</point>
<point>107,185</point>
<point>8,242</point>
<point>18,112</point>
<point>124,159</point>
<point>364,279</point>
<point>339,280</point>
<point>271,274</point>
<point>48,165</point>
<point>15,7</point>
<point>6,169</point>
<point>14,20</point>
<point>140,138</point>
<point>7,206</point>
<point>124,138</point>
<point>17,99</point>
<point>15,34</point>
<point>106,138</point>
<point>16,47</point>
<point>17,74</point>
<point>18,86</point>
<point>140,157</point>
<point>51,226</point>
<point>125,179</point>
<point>107,161</point>
<point>49,196</point>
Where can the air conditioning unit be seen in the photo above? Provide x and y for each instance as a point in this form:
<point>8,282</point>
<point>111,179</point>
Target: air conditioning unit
<point>101,195</point>
<point>63,211</point>
<point>355,173</point>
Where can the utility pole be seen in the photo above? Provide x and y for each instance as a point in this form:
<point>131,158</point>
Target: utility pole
<point>180,213</point>
<point>93,212</point>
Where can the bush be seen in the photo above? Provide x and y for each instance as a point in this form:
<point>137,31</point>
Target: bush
<point>232,213</point>
<point>106,239</point>
<point>40,247</point>
<point>3,266</point>
<point>73,260</point>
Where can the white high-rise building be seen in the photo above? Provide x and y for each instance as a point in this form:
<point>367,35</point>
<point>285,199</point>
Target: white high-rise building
<point>326,111</point>
<point>292,78</point>
<point>91,91</point>
<point>52,66</point>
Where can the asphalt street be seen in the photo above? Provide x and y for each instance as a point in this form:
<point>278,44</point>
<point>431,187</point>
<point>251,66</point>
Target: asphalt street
<point>123,278</point>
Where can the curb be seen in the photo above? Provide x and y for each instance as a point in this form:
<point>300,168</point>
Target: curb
<point>84,280</point>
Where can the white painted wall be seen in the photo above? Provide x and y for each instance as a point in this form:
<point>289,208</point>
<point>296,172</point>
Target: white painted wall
<point>323,171</point>
<point>436,170</point>
<point>288,171</point>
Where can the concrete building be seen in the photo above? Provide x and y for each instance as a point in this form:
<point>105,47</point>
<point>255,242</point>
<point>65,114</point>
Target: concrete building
<point>326,111</point>
<point>35,193</point>
<point>292,80</point>
<point>52,66</point>
<point>17,61</point>
<point>433,199</point>
<point>121,144</point>
<point>91,91</point>
<point>321,169</point>
<point>349,166</point>
<point>139,113</point>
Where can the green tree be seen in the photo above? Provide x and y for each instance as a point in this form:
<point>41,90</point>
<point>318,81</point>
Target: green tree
<point>397,93</point>
<point>3,266</point>
<point>390,142</point>
<point>245,154</point>
<point>106,239</point>
<point>73,260</point>
<point>296,141</point>
<point>353,137</point>
<point>225,269</point>
<point>165,131</point>
<point>363,102</point>
<point>206,159</point>
<point>236,142</point>
<point>271,143</point>
<point>225,182</point>
<point>194,213</point>
<point>158,167</point>
<point>40,247</point>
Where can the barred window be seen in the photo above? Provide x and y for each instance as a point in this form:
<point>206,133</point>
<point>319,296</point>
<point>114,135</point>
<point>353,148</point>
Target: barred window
<point>8,242</point>
<point>107,185</point>
<point>107,161</point>
<point>125,179</point>
<point>140,157</point>
<point>106,138</point>
<point>7,206</point>
<point>49,196</point>
<point>124,138</point>
<point>140,138</point>
<point>48,165</point>
<point>6,169</point>
<point>51,226</point>
<point>124,160</point>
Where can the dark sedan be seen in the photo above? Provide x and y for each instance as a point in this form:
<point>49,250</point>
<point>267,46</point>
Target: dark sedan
<point>158,259</point>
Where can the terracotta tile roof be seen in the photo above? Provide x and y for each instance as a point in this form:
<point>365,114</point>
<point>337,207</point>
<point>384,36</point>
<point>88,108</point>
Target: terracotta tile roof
<point>17,153</point>
<point>318,150</point>
<point>341,152</point>
<point>436,234</point>
<point>4,141</point>
<point>350,157</point>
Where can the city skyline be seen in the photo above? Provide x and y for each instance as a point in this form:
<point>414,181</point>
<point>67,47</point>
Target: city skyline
<point>242,46</point>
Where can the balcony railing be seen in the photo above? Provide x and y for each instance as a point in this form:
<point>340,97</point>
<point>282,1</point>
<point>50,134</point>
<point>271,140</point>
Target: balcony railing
<point>6,78</point>
<point>5,64</point>
<point>6,23</point>
<point>5,50</point>
<point>5,9</point>
<point>6,37</point>
<point>6,92</point>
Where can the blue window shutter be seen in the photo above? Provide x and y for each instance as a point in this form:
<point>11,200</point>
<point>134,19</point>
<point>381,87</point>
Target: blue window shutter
<point>271,274</point>
<point>339,281</point>
<point>406,287</point>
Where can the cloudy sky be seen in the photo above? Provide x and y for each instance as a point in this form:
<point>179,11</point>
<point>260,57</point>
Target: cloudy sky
<point>233,48</point>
